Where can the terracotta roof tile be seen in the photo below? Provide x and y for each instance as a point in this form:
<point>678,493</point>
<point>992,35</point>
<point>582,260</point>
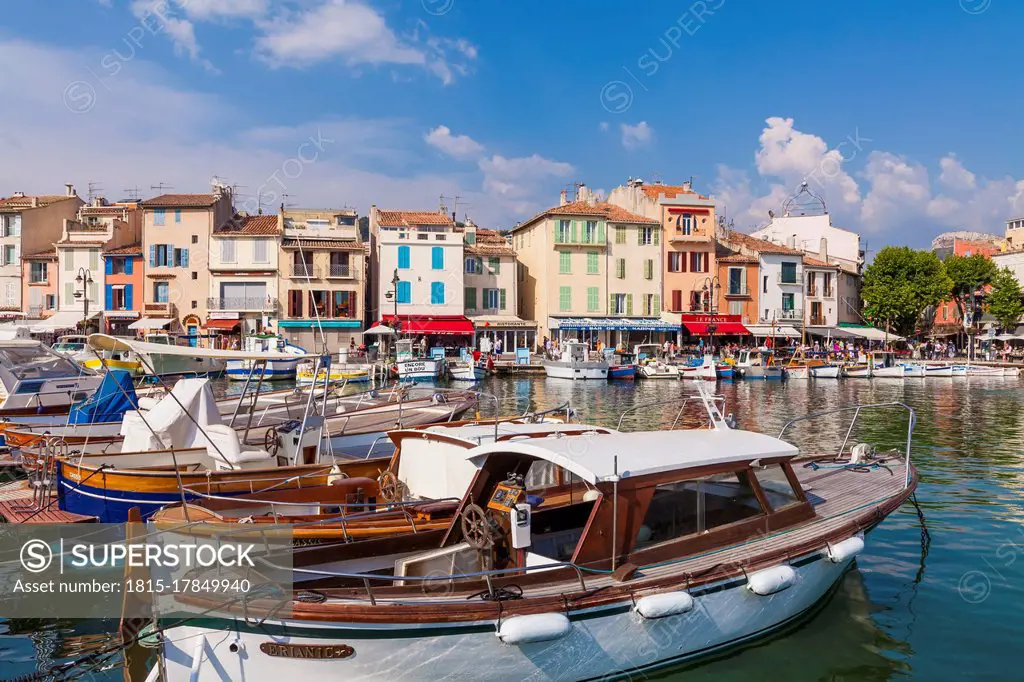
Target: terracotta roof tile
<point>25,202</point>
<point>670,191</point>
<point>490,243</point>
<point>129,250</point>
<point>599,209</point>
<point>335,244</point>
<point>250,225</point>
<point>741,240</point>
<point>816,263</point>
<point>407,218</point>
<point>737,258</point>
<point>181,201</point>
<point>50,254</point>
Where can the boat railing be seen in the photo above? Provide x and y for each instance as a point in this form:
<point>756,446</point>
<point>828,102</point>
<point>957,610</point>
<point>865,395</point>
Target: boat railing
<point>718,401</point>
<point>857,409</point>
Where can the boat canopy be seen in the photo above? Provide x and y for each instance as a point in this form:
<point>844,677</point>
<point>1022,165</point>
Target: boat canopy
<point>596,457</point>
<point>111,343</point>
<point>114,397</point>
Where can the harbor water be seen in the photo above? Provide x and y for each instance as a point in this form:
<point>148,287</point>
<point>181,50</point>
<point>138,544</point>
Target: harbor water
<point>941,605</point>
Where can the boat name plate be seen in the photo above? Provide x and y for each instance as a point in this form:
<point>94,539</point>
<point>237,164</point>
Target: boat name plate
<point>316,651</point>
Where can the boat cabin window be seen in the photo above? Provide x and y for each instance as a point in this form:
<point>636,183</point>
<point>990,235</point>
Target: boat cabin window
<point>776,486</point>
<point>36,363</point>
<point>696,506</point>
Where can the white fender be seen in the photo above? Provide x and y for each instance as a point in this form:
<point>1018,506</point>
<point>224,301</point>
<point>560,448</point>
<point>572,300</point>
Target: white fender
<point>664,604</point>
<point>540,627</point>
<point>771,580</point>
<point>847,549</point>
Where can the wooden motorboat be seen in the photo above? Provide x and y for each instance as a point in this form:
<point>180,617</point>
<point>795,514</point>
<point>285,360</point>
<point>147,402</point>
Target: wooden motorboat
<point>584,556</point>
<point>274,370</point>
<point>648,364</point>
<point>758,363</point>
<point>880,365</point>
<point>704,371</point>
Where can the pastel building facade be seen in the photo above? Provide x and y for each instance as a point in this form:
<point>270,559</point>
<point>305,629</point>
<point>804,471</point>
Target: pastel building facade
<point>492,276</point>
<point>322,277</point>
<point>243,275</point>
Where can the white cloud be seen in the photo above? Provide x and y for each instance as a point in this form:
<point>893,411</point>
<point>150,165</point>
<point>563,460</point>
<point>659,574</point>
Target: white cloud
<point>890,195</point>
<point>521,184</point>
<point>635,136</point>
<point>357,34</point>
<point>158,16</point>
<point>458,146</point>
<point>603,126</point>
<point>207,10</point>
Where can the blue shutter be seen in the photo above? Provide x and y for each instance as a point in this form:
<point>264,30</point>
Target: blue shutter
<point>108,293</point>
<point>108,265</point>
<point>128,265</point>
<point>128,296</point>
<point>184,258</point>
<point>403,257</point>
<point>404,292</point>
<point>437,258</point>
<point>437,293</point>
<point>159,216</point>
<point>152,255</point>
<point>177,215</point>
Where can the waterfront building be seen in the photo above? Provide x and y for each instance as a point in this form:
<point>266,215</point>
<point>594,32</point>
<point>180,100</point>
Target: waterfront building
<point>123,280</point>
<point>39,284</point>
<point>688,253</point>
<point>176,236</point>
<point>947,320</point>
<point>29,224</point>
<point>322,277</point>
<point>243,276</point>
<point>492,275</point>
<point>779,280</point>
<point>591,270</point>
<point>417,263</point>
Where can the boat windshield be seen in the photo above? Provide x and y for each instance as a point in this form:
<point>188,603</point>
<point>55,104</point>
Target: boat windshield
<point>68,346</point>
<point>37,363</point>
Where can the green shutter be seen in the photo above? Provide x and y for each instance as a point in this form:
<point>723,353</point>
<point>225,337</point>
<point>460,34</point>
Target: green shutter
<point>640,235</point>
<point>470,298</point>
<point>611,304</point>
<point>657,235</point>
<point>558,231</point>
<point>648,268</point>
<point>564,298</point>
<point>656,305</point>
<point>600,232</point>
<point>501,303</point>
<point>564,263</point>
<point>575,232</point>
<point>495,265</point>
<point>592,266</point>
<point>629,304</point>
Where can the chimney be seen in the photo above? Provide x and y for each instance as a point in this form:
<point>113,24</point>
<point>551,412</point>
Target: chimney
<point>280,221</point>
<point>823,249</point>
<point>35,202</point>
<point>19,195</point>
<point>791,241</point>
<point>453,216</point>
<point>563,200</point>
<point>69,189</point>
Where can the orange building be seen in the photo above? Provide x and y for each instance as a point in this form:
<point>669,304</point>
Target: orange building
<point>738,277</point>
<point>947,315</point>
<point>123,280</point>
<point>39,283</point>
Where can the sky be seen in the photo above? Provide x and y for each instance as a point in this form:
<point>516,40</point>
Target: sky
<point>903,116</point>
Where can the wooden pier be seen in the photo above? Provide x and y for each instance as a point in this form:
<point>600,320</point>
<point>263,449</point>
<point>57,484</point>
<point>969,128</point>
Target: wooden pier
<point>17,506</point>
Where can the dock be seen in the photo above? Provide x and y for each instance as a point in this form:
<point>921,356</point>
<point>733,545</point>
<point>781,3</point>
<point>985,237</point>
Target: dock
<point>16,506</point>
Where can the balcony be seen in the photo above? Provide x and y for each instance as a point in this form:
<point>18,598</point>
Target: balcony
<point>781,314</point>
<point>341,232</point>
<point>812,292</point>
<point>794,281</point>
<point>39,280</point>
<point>303,271</point>
<point>737,291</point>
<point>160,310</point>
<point>829,292</point>
<point>693,235</point>
<point>583,238</point>
<point>257,304</point>
<point>340,271</point>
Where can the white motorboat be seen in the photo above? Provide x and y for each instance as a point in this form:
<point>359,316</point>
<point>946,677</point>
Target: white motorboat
<point>240,370</point>
<point>649,366</point>
<point>913,369</point>
<point>556,566</point>
<point>39,381</point>
<point>703,372</point>
<point>757,363</point>
<point>938,370</point>
<point>162,356</point>
<point>411,367</point>
<point>880,365</point>
<point>827,372</point>
<point>576,362</point>
<point>466,370</point>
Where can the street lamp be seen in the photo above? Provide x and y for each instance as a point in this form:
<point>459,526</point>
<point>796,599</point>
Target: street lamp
<point>712,285</point>
<point>84,280</point>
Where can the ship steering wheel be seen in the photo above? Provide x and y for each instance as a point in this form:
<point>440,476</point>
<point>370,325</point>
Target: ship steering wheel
<point>271,442</point>
<point>388,485</point>
<point>477,527</point>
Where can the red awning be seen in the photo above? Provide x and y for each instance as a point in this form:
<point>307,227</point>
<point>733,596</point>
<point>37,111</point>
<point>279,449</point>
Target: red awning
<point>440,325</point>
<point>721,329</point>
<point>222,325</point>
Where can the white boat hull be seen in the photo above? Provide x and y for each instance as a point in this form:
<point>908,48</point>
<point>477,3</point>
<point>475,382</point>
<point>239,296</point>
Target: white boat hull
<point>984,371</point>
<point>896,372</point>
<point>912,370</point>
<point>466,372</point>
<point>826,372</point>
<point>239,370</point>
<point>419,370</point>
<point>557,369</point>
<point>611,640</point>
<point>802,372</point>
<point>657,370</point>
<point>938,371</point>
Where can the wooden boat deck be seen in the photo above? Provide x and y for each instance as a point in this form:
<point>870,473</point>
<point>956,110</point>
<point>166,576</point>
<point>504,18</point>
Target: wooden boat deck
<point>845,502</point>
<point>16,506</point>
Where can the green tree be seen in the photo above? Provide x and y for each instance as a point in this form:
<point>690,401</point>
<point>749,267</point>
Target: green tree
<point>969,274</point>
<point>1005,302</point>
<point>901,284</point>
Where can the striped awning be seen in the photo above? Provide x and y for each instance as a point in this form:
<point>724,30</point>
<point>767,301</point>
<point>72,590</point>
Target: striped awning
<point>629,324</point>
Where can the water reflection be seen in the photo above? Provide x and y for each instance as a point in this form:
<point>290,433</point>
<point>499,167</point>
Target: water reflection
<point>881,623</point>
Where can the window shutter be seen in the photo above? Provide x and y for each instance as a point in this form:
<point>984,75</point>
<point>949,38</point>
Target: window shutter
<point>683,256</point>
<point>575,234</point>
<point>611,304</point>
<point>501,303</point>
<point>656,304</point>
<point>108,297</point>
<point>648,269</point>
<point>600,232</point>
<point>108,266</point>
<point>629,304</point>
<point>128,303</point>
<point>152,255</point>
<point>184,258</point>
<point>640,236</point>
<point>471,298</point>
<point>657,235</point>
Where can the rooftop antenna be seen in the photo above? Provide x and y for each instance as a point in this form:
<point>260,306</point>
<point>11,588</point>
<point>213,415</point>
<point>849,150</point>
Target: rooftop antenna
<point>133,192</point>
<point>656,177</point>
<point>161,186</point>
<point>94,189</point>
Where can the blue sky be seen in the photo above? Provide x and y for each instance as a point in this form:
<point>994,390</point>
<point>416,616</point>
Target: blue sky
<point>903,115</point>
